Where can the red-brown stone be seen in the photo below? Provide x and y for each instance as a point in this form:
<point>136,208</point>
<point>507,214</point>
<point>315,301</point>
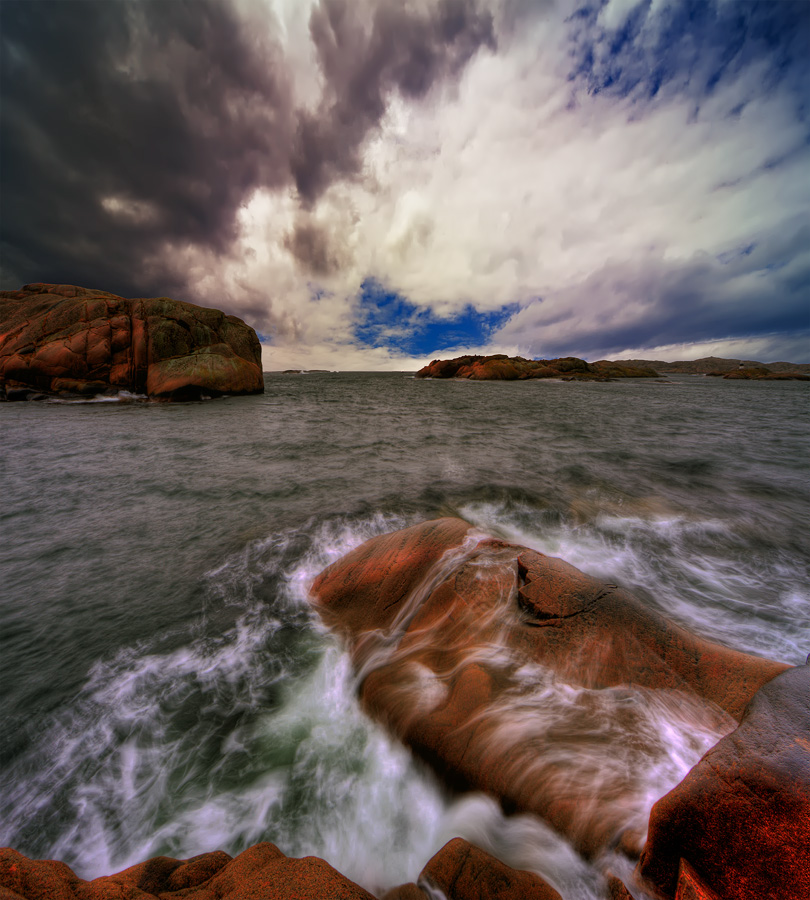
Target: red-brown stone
<point>62,339</point>
<point>740,820</point>
<point>690,886</point>
<point>407,891</point>
<point>462,871</point>
<point>441,621</point>
<point>261,873</point>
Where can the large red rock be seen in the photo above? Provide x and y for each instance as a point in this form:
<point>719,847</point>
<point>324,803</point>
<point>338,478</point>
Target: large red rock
<point>261,873</point>
<point>739,823</point>
<point>62,339</point>
<point>466,646</point>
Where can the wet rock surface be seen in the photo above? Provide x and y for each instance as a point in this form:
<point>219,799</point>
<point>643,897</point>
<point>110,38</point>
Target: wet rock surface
<point>262,871</point>
<point>460,870</point>
<point>71,341</point>
<point>740,820</point>
<point>514,673</point>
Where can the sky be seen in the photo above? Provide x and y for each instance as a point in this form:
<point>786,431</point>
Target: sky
<point>372,184</point>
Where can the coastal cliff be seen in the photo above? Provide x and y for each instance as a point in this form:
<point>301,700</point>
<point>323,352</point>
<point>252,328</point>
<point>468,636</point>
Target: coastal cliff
<point>72,341</point>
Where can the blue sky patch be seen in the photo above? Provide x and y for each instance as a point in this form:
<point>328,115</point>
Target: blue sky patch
<point>690,47</point>
<point>387,319</point>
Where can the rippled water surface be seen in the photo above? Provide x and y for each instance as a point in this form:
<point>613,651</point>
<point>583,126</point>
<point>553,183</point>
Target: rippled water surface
<point>166,687</point>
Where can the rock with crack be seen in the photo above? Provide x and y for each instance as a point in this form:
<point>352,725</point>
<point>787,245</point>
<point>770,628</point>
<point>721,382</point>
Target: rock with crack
<point>514,673</point>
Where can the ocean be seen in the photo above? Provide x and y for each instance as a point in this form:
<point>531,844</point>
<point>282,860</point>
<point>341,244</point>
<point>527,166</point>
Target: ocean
<point>166,686</point>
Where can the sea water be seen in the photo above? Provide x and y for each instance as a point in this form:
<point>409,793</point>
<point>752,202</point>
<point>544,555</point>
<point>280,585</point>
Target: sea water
<point>165,687</point>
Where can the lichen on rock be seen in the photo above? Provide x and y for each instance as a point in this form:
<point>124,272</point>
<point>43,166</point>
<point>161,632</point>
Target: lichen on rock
<point>65,340</point>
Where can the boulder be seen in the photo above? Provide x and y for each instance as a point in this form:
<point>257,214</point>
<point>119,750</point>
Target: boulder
<point>739,823</point>
<point>514,673</point>
<point>263,872</point>
<point>73,341</point>
<point>462,871</point>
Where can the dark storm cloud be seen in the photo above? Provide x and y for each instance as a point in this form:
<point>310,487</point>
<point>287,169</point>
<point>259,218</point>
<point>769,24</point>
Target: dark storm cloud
<point>363,61</point>
<point>133,127</point>
<point>364,57</point>
<point>311,246</point>
<point>759,289</point>
<point>167,108</point>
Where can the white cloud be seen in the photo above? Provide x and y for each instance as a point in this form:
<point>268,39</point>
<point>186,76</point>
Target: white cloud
<point>516,185</point>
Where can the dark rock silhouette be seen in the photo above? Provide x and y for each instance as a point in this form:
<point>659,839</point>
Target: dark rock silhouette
<point>715,365</point>
<point>73,341</point>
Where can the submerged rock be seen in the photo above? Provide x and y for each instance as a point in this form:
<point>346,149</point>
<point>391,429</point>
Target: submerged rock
<point>740,820</point>
<point>73,341</point>
<point>514,673</point>
<point>500,367</point>
<point>461,871</point>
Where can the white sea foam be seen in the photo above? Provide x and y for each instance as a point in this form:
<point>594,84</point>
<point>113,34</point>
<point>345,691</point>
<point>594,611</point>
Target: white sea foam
<point>695,570</point>
<point>254,733</point>
<point>120,397</point>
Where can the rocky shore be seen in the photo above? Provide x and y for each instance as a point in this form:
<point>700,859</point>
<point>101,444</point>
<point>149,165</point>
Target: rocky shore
<point>459,871</point>
<point>67,341</point>
<point>513,673</point>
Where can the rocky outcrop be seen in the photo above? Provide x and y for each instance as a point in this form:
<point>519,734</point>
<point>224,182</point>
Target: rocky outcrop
<point>263,872</point>
<point>72,341</point>
<point>740,820</point>
<point>505,368</point>
<point>460,870</point>
<point>443,622</point>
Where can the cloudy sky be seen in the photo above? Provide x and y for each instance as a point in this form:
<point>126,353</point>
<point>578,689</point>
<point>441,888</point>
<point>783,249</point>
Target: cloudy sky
<point>375,183</point>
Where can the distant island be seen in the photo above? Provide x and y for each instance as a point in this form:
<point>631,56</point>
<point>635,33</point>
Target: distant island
<point>717,365</point>
<point>500,367</point>
<point>512,368</point>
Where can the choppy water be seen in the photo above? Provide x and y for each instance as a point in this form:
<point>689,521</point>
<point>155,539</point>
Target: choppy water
<point>165,685</point>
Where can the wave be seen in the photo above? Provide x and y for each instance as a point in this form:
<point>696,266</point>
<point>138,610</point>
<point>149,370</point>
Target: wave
<point>249,729</point>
